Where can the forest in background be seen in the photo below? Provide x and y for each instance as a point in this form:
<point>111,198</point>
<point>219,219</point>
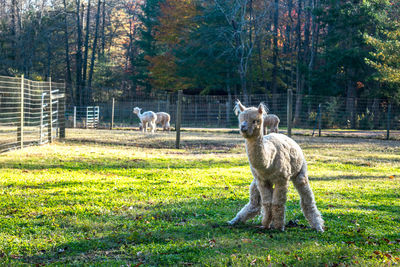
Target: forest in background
<point>122,49</point>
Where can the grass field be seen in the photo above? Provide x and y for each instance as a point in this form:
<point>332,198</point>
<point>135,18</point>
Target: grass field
<point>121,198</point>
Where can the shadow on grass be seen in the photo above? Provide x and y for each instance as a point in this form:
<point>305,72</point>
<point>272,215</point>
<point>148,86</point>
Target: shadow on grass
<point>189,231</point>
<point>347,177</point>
<point>114,164</point>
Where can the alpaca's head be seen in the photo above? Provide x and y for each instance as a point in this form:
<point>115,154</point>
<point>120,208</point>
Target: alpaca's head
<point>136,110</point>
<point>250,120</point>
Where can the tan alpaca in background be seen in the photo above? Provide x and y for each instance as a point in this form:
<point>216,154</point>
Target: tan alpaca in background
<point>271,121</point>
<point>274,160</point>
<point>163,118</point>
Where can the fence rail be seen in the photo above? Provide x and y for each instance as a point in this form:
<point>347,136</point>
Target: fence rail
<point>31,112</point>
<point>305,111</point>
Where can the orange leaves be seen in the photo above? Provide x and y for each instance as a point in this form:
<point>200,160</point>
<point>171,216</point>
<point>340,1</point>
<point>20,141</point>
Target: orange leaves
<point>175,21</point>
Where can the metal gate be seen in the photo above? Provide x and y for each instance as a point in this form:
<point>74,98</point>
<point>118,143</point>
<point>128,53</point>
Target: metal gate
<point>31,112</point>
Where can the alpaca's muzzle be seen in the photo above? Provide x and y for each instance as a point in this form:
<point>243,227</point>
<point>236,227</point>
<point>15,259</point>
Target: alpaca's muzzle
<point>244,127</point>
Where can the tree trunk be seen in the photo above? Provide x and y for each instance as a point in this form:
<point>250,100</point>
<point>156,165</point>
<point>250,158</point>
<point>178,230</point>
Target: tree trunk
<point>229,103</point>
<point>260,62</point>
<point>48,67</point>
<point>275,58</point>
<point>85,55</point>
<point>94,49</point>
<point>78,56</point>
<point>13,32</point>
<point>67,59</point>
<point>299,76</point>
<point>103,25</point>
<point>244,87</point>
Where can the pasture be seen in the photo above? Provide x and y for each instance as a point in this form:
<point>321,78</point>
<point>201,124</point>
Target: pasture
<point>114,198</point>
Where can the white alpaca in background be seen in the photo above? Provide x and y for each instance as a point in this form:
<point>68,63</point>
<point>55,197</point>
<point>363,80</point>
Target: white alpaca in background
<point>274,160</point>
<point>148,117</point>
<point>163,118</point>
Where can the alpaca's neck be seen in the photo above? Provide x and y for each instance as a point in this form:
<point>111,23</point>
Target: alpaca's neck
<point>259,156</point>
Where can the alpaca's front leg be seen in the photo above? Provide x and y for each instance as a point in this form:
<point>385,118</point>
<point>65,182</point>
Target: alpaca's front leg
<point>152,126</point>
<point>266,191</point>
<point>278,206</point>
<point>251,209</point>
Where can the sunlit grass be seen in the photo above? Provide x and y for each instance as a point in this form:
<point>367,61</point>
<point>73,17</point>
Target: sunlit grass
<point>113,198</point>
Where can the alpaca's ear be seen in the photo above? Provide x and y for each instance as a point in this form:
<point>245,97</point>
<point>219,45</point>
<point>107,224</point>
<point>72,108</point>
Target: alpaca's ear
<point>261,109</point>
<point>241,107</point>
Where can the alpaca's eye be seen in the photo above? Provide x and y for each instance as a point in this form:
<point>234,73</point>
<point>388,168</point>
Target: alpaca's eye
<point>254,122</point>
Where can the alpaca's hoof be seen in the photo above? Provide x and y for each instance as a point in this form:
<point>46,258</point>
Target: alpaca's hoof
<point>234,221</point>
<point>279,228</point>
<point>319,229</point>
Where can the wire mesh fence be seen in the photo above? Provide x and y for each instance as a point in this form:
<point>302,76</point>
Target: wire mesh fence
<point>308,112</point>
<point>31,112</point>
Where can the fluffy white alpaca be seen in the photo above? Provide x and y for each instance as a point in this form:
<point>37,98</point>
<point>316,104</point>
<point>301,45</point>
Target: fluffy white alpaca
<point>274,160</point>
<point>163,118</point>
<point>271,121</point>
<point>148,117</point>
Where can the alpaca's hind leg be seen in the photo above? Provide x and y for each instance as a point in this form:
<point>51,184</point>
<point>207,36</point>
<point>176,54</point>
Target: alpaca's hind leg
<point>266,192</point>
<point>251,209</point>
<point>278,206</point>
<point>307,201</point>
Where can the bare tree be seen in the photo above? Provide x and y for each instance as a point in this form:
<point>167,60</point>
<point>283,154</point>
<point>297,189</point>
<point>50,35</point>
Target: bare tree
<point>237,17</point>
<point>94,48</point>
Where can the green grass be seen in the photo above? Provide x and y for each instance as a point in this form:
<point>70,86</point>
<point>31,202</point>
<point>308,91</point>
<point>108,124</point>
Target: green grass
<point>117,198</point>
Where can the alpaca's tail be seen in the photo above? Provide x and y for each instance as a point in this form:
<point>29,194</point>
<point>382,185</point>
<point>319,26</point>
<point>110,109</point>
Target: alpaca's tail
<point>307,200</point>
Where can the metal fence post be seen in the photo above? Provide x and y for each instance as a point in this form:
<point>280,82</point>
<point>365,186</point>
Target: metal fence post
<point>74,116</point>
<point>228,112</point>
<point>208,110</point>
<point>112,113</point>
<point>41,118</point>
<point>388,122</point>
<point>289,111</point>
<point>61,112</point>
<point>319,119</point>
<point>178,119</point>
<point>87,117</point>
<point>167,105</point>
<point>219,115</point>
<point>20,130</point>
<point>50,127</point>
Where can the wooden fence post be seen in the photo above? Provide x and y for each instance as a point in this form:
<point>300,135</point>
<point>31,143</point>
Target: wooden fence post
<point>112,114</point>
<point>50,126</point>
<point>289,111</point>
<point>388,122</point>
<point>178,119</point>
<point>61,112</point>
<point>20,129</point>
